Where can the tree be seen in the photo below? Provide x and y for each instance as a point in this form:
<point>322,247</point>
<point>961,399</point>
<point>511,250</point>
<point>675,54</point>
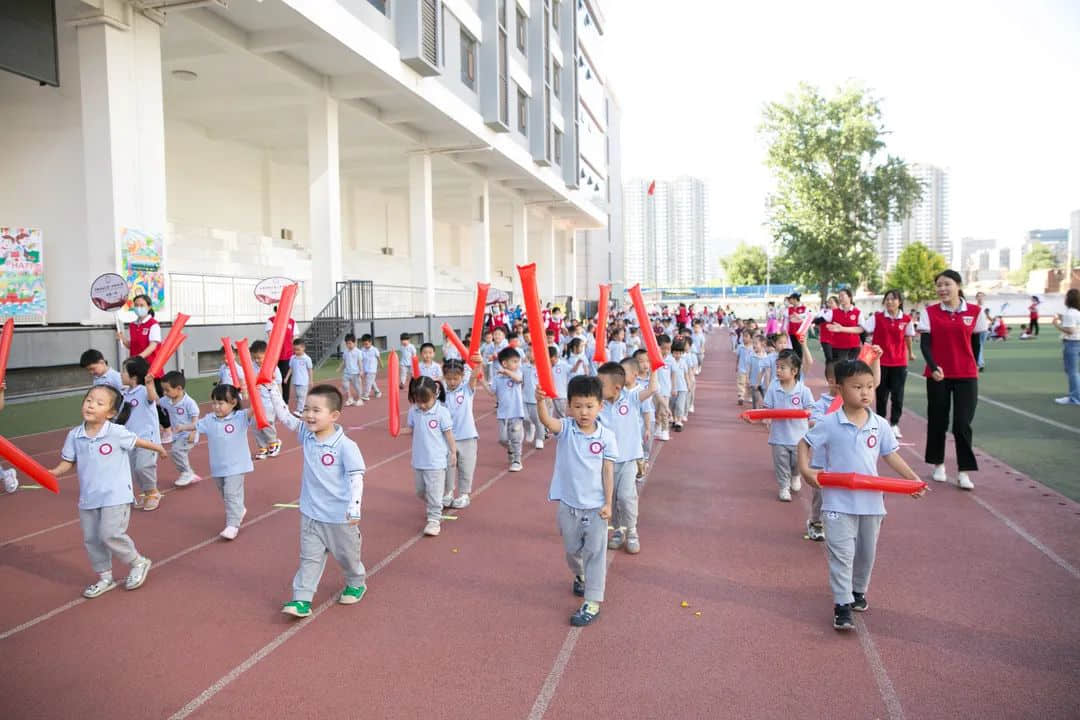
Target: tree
<point>836,189</point>
<point>1039,257</point>
<point>914,273</point>
<point>748,265</point>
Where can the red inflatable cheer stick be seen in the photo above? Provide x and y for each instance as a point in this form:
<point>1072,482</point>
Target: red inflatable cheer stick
<point>277,334</point>
<point>230,360</point>
<point>538,337</point>
<point>454,339</point>
<point>775,414</point>
<point>477,322</point>
<point>168,347</point>
<point>250,384</point>
<point>655,359</point>
<point>28,466</point>
<point>5,347</point>
<point>394,391</point>
<point>600,355</point>
<point>804,328</point>
<point>415,366</point>
<point>856,481</point>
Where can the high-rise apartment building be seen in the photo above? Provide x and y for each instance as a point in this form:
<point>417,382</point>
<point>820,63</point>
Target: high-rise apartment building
<point>928,222</point>
<point>1055,240</point>
<point>666,231</point>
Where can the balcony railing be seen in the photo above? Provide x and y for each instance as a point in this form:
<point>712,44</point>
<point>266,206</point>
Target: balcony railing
<point>225,300</point>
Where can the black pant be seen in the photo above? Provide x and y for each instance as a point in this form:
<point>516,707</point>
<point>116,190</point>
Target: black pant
<point>796,346</point>
<point>827,351</point>
<point>892,383</point>
<point>962,395</point>
<point>1033,326</point>
<point>845,353</point>
<point>283,368</point>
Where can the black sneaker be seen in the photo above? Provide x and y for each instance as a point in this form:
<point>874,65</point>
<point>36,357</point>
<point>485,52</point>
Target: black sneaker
<point>860,602</point>
<point>677,427</point>
<point>579,586</point>
<point>583,617</point>
<point>842,619</point>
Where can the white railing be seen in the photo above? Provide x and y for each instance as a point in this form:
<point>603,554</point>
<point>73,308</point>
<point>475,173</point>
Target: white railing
<point>224,300</point>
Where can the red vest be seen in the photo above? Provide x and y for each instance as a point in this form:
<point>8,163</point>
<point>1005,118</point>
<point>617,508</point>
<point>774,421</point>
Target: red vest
<point>139,338</point>
<point>889,335</point>
<point>950,341</point>
<point>286,345</point>
<point>846,318</point>
<point>824,335</point>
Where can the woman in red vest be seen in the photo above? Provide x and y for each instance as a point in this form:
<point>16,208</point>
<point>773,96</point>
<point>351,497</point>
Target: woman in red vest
<point>144,335</point>
<point>891,329</point>
<point>796,313</point>
<point>286,351</point>
<point>951,334</point>
<point>844,329</point>
<point>824,336</point>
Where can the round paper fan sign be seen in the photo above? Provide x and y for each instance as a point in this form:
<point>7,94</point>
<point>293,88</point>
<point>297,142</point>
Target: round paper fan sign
<point>109,292</point>
<point>268,290</point>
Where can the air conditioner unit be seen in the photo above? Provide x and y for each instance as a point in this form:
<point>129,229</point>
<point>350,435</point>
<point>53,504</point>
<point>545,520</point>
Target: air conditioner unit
<point>387,250</point>
<point>286,234</point>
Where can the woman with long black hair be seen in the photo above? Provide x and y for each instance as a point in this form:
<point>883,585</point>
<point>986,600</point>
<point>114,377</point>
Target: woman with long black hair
<point>891,329</point>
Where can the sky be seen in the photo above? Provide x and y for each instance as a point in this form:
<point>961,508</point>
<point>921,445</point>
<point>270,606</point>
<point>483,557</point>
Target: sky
<point>988,90</point>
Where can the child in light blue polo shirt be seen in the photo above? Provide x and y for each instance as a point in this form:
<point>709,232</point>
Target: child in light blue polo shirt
<point>583,483</point>
<point>369,366</point>
<point>787,392</point>
<point>560,373</point>
<point>459,394</point>
<point>331,490</point>
<point>510,405</point>
<point>350,373</point>
<point>300,368</point>
<point>433,448</point>
<point>814,529</point>
<point>643,375</point>
<point>141,397</point>
<point>530,379</point>
<point>850,441</point>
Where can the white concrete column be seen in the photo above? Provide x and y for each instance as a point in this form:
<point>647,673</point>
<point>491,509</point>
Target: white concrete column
<point>123,130</point>
<point>481,232</point>
<point>422,228</point>
<point>519,223</point>
<point>324,200</point>
<point>547,267</point>
<point>571,268</point>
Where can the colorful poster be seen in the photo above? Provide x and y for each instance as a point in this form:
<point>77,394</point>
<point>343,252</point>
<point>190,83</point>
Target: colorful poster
<point>22,274</point>
<point>141,260</point>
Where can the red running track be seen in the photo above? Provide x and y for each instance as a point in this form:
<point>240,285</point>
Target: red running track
<point>971,602</point>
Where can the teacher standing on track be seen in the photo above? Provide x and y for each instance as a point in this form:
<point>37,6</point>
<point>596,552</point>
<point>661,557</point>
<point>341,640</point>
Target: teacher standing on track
<point>951,334</point>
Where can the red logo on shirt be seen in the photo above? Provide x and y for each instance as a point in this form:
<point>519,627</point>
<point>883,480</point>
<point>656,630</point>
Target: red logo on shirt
<point>595,448</point>
<point>509,384</point>
<point>624,409</point>
<point>558,370</point>
<point>460,399</point>
<point>433,423</point>
<point>105,449</point>
<point>871,441</point>
<point>179,411</point>
<point>795,400</point>
<point>968,319</point>
<point>133,402</point>
<point>229,428</point>
<point>328,459</point>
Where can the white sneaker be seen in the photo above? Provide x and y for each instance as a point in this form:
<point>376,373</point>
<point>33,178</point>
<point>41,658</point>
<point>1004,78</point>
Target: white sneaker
<point>432,528</point>
<point>796,484</point>
<point>230,532</point>
<point>359,403</point>
<point>515,467</point>
<point>939,474</point>
<point>102,586</point>
<point>350,402</point>
<point>530,435</point>
<point>447,500</point>
<point>137,574</point>
<point>896,432</point>
<point>184,480</point>
<point>1065,401</point>
<point>785,495</point>
<point>461,501</point>
<point>539,444</point>
<point>11,481</point>
<point>691,408</point>
<point>378,393</point>
<point>964,481</point>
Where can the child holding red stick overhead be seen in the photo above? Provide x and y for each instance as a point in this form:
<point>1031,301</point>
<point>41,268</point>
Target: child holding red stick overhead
<point>851,440</point>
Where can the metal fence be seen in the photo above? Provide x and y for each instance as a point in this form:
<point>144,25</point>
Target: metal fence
<point>399,301</point>
<point>222,299</point>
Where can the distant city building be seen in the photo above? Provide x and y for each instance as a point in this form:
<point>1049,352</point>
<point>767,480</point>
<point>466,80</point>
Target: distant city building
<point>1056,240</point>
<point>665,232</point>
<point>975,252</point>
<point>928,222</point>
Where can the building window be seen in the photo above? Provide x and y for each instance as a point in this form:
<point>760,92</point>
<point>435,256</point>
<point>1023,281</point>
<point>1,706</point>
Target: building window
<point>555,14</point>
<point>504,61</point>
<point>380,5</point>
<point>556,78</point>
<point>523,112</point>
<point>468,60</point>
<point>522,27</point>
<point>558,146</point>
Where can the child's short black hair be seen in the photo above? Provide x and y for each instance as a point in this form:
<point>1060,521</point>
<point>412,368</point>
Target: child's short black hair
<point>174,378</point>
<point>331,393</point>
<point>90,357</point>
<point>405,336</point>
<point>639,352</point>
<point>427,345</point>
<point>137,367</point>
<point>259,346</point>
<point>224,392</point>
<point>678,345</point>
<point>507,353</point>
<point>451,365</point>
<point>423,389</point>
<point>365,338</point>
<point>584,386</point>
<point>850,368</point>
<point>511,335</point>
<point>631,362</point>
<point>550,333</point>
<point>792,358</point>
<point>614,369</point>
<point>120,408</point>
<point>299,342</point>
<point>350,337</point>
<point>553,352</point>
<point>663,339</point>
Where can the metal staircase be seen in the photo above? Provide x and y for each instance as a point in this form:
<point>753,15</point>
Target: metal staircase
<point>352,302</point>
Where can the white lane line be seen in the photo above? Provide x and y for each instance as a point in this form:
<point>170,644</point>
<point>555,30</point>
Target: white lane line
<point>262,653</point>
<point>881,676</point>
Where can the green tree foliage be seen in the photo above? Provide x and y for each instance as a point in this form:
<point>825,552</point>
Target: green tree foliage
<point>1039,257</point>
<point>836,187</point>
<point>749,265</point>
<point>914,273</point>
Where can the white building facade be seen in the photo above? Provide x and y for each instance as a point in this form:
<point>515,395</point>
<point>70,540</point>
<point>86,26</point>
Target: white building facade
<point>928,222</point>
<point>665,232</point>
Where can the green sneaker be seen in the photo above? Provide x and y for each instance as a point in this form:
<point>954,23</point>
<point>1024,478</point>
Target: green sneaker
<point>351,595</point>
<point>297,608</point>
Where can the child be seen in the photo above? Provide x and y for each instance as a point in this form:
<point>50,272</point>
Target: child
<point>510,410</point>
<point>225,373</point>
<point>851,440</point>
<point>300,368</point>
<point>183,411</point>
<point>560,371</point>
<point>665,381</point>
<point>141,397</point>
<point>583,483</point>
<point>405,358</point>
<point>634,342</point>
<point>680,383</point>
<point>787,391</point>
<point>487,351</point>
<point>621,413</point>
<point>575,358</point>
<point>11,480</point>
<point>370,361</point>
<point>742,366</point>
<point>814,529</point>
<point>434,452</point>
<point>616,347</point>
<point>266,438</point>
<point>638,367</point>
<point>697,337</point>
<point>692,369</point>
<point>331,489</point>
<point>350,379</point>
<point>759,362</point>
<point>98,448</point>
<point>450,351</point>
<point>460,390</point>
<point>100,372</point>
<point>534,432</point>
<point>428,368</point>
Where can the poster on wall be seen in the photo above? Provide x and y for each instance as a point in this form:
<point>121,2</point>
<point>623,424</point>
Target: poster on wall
<point>141,260</point>
<point>22,274</point>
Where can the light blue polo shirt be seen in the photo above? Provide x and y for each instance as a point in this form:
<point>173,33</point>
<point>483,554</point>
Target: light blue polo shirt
<point>578,478</point>
<point>183,412</point>
<point>572,362</point>
<point>459,403</point>
<point>143,420</point>
<point>429,448</point>
<point>227,439</point>
<point>817,414</point>
<point>508,396</point>
<point>530,380</point>
<point>432,371</point>
<point>742,355</point>
<point>264,390</point>
<point>846,448</point>
<point>369,359</point>
<point>698,342</point>
<point>616,351</point>
<point>110,378</point>
<point>758,363</point>
<point>325,486</point>
<point>678,372</point>
<point>352,361</point>
<point>647,406</point>
<point>300,366</point>
<point>623,417</point>
<point>663,379</point>
<point>560,371</point>
<point>225,375</point>
<point>102,464</point>
<point>788,432</point>
<point>405,355</point>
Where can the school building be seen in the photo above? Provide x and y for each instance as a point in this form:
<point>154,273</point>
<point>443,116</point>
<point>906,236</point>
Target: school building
<point>385,154</point>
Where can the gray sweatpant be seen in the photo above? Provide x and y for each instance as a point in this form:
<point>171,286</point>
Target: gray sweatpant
<point>785,463</point>
<point>532,420</point>
<point>466,466</point>
<point>558,408</point>
<point>351,384</point>
<point>369,383</point>
<point>317,540</point>
<point>584,535</point>
<point>815,506</point>
<point>178,452</point>
<point>232,491</point>
<point>300,393</point>
<point>430,485</point>
<point>144,468</point>
<point>105,534</point>
<point>511,435</point>
<point>679,407</point>
<point>625,511</point>
<point>850,546</point>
